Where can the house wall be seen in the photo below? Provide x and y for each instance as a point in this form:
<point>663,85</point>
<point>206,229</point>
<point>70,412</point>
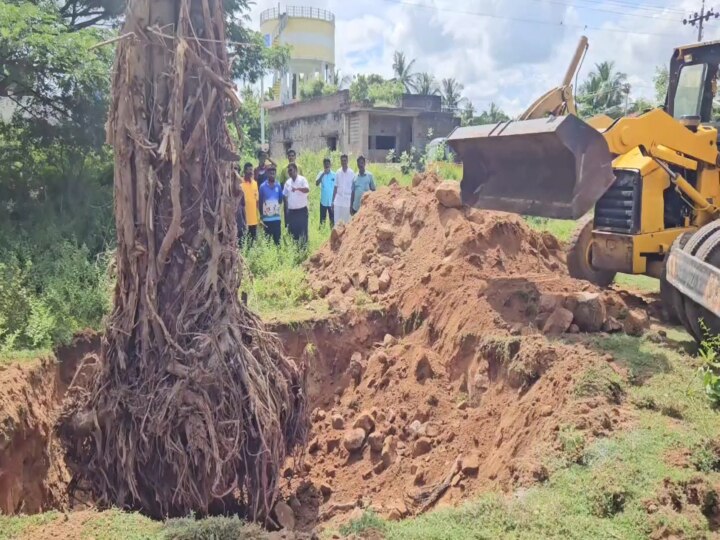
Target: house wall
<point>399,127</point>
<point>442,124</point>
<point>308,125</point>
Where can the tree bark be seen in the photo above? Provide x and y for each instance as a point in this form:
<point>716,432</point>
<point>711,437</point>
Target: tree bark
<point>195,407</point>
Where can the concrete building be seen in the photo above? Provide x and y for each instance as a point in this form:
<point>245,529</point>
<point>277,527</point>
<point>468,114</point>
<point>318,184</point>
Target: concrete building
<point>335,123</point>
<point>310,33</point>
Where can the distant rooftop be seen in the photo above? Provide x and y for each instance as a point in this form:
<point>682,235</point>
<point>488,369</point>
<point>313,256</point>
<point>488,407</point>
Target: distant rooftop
<point>298,11</point>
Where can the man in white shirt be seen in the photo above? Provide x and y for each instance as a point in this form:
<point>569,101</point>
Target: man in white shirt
<point>296,193</point>
<point>344,179</point>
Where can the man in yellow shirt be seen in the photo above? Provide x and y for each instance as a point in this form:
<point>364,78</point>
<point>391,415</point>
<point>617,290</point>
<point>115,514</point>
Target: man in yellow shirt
<point>252,198</point>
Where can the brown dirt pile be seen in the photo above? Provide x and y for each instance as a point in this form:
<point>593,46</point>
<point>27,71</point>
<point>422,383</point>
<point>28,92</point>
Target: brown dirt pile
<point>467,393</point>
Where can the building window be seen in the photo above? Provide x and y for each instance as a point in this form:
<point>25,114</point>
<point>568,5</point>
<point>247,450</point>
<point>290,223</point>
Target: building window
<point>385,142</point>
<point>332,143</point>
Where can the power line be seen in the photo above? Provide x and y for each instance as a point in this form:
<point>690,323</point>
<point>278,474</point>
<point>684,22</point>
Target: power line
<point>603,10</point>
<point>634,5</point>
<point>523,20</point>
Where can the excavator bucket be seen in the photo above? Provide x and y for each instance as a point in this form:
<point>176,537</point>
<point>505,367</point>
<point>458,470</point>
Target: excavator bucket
<point>555,167</point>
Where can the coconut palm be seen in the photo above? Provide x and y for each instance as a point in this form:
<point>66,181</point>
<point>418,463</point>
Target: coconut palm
<point>603,89</point>
<point>426,85</point>
<point>402,70</point>
<point>452,94</point>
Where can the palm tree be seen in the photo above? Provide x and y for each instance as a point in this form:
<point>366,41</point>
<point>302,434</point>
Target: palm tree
<point>604,89</point>
<point>403,71</point>
<point>452,94</point>
<point>425,85</point>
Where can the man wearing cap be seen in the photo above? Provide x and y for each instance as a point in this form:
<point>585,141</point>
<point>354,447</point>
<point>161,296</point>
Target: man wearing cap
<point>296,193</point>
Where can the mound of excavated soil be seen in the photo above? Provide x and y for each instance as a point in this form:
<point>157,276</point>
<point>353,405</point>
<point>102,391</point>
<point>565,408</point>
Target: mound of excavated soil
<point>460,270</point>
<point>468,393</point>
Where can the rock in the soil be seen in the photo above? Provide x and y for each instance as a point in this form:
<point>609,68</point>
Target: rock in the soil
<point>574,329</point>
<point>319,415</point>
<point>421,447</point>
<point>285,516</point>
<point>398,510</point>
<point>359,278</point>
<point>548,302</point>
<point>416,428</point>
<point>590,312</point>
<point>385,233</point>
<point>345,284</point>
<point>423,369</point>
<point>373,285</point>
<point>636,322</point>
<point>338,422</point>
<point>559,322</point>
<point>336,237</point>
<point>470,465</point>
<point>389,341</point>
<point>365,422</point>
<point>355,369</point>
<point>384,280</point>
<point>448,194</point>
<point>389,450</point>
<point>354,439</point>
<point>375,441</point>
<point>612,325</point>
<point>326,489</point>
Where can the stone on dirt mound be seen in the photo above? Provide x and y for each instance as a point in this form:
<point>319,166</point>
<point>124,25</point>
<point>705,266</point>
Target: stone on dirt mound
<point>590,312</point>
<point>559,322</point>
<point>448,194</point>
<point>354,439</point>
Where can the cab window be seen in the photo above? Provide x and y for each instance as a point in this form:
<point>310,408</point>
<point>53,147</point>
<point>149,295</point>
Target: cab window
<point>690,90</point>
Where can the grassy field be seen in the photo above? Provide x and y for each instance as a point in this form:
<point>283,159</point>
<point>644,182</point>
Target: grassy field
<point>611,488</point>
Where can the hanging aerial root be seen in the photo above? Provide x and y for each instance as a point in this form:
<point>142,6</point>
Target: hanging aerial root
<point>194,408</point>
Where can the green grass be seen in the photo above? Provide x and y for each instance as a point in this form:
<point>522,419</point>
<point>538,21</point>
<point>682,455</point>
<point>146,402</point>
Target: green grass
<point>29,355</point>
<point>638,283</point>
<point>114,524</point>
<point>601,490</point>
<point>562,229</point>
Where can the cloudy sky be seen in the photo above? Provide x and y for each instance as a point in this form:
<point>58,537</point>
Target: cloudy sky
<point>508,51</point>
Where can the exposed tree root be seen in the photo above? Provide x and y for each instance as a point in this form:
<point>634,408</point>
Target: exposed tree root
<point>195,408</point>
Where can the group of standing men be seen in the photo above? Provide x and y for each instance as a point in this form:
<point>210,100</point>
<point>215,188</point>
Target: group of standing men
<point>265,196</point>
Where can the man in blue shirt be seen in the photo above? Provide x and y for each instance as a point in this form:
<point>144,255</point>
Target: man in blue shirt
<point>270,202</point>
<point>364,181</point>
<point>328,189</point>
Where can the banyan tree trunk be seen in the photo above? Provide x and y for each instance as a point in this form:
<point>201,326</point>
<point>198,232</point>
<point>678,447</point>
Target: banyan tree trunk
<point>194,408</point>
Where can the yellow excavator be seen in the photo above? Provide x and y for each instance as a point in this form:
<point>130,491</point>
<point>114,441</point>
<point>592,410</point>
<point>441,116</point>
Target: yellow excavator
<point>646,189</point>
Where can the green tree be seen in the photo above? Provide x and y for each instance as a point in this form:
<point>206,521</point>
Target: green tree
<point>604,89</point>
<point>402,71</point>
<point>451,92</point>
<point>660,80</point>
<point>493,115</point>
<point>426,85</point>
<point>313,88</point>
<point>468,114</point>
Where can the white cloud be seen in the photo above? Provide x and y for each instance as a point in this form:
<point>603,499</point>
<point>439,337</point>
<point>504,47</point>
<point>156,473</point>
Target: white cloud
<point>507,61</point>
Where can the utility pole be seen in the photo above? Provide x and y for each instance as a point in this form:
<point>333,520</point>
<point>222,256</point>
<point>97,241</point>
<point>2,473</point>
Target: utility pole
<point>699,19</point>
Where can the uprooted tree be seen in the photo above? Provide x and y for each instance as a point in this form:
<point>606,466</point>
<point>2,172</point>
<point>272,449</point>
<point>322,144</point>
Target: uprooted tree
<point>194,407</point>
